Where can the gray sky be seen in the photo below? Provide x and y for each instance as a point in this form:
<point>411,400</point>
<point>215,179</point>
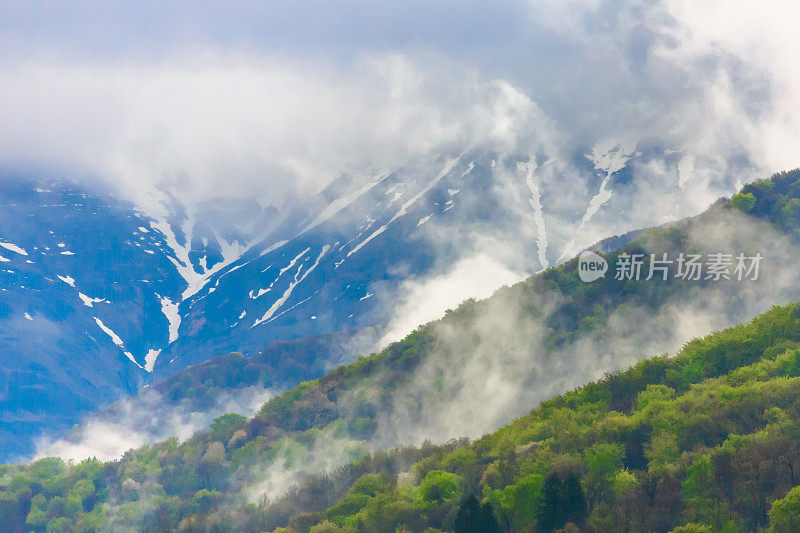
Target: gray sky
<point>264,95</point>
<point>152,30</point>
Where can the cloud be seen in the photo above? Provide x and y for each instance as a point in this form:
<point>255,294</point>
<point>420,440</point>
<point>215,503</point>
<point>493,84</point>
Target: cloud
<point>496,362</point>
<point>239,126</point>
<point>274,101</point>
<point>761,40</point>
<point>424,300</point>
<point>133,422</point>
<point>202,109</point>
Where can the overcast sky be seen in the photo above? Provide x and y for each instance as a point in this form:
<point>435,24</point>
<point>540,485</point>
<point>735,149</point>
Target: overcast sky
<point>255,96</point>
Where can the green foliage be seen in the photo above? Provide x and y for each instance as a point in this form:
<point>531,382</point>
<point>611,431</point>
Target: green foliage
<point>562,502</point>
<point>474,517</point>
<point>602,459</point>
<point>743,202</point>
<point>784,516</point>
<point>624,482</point>
<point>699,436</point>
<point>439,486</point>
<point>342,512</point>
<point>370,485</point>
<point>692,528</point>
<point>517,503</point>
<point>222,427</point>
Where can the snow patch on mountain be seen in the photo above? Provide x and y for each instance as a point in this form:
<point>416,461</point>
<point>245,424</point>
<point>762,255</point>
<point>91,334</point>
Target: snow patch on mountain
<point>297,280</point>
<point>116,340</point>
<point>685,170</point>
<point>292,262</point>
<point>608,158</point>
<point>538,215</point>
<point>150,359</point>
<point>181,259</point>
<point>170,310</point>
<point>408,203</point>
<point>273,247</point>
<point>88,301</point>
<point>67,279</point>
<point>261,292</point>
<point>345,200</point>
<point>195,281</point>
<point>13,247</point>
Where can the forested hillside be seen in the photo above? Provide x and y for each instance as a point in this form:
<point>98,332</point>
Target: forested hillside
<point>704,441</point>
<point>637,449</point>
<point>191,399</point>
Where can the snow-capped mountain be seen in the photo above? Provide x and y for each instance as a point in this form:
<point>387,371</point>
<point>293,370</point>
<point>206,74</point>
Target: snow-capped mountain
<point>344,265</point>
<point>99,297</point>
<point>89,295</point>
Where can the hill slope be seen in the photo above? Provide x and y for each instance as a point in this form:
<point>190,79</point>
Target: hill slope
<point>478,368</point>
<point>708,437</point>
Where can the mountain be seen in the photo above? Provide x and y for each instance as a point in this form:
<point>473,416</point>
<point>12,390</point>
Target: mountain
<point>102,296</point>
<point>90,293</point>
<point>481,366</point>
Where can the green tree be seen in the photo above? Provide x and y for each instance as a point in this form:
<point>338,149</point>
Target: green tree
<point>549,515</point>
<point>784,516</point>
<point>743,202</point>
<point>562,501</point>
<point>439,486</point>
<point>692,528</point>
<point>789,217</point>
<point>602,459</point>
<point>223,426</point>
<point>698,488</point>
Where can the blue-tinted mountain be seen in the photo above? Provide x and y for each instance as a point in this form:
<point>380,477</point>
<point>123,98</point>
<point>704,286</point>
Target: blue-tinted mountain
<point>100,296</point>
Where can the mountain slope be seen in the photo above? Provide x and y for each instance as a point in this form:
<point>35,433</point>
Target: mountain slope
<point>187,402</point>
<point>73,302</point>
<point>90,291</point>
<point>708,438</point>
<point>121,294</point>
<point>476,369</point>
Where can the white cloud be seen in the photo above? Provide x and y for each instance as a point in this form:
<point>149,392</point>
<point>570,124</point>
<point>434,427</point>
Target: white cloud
<point>132,422</point>
<point>762,38</point>
<point>210,117</point>
<point>427,299</point>
<point>238,126</point>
